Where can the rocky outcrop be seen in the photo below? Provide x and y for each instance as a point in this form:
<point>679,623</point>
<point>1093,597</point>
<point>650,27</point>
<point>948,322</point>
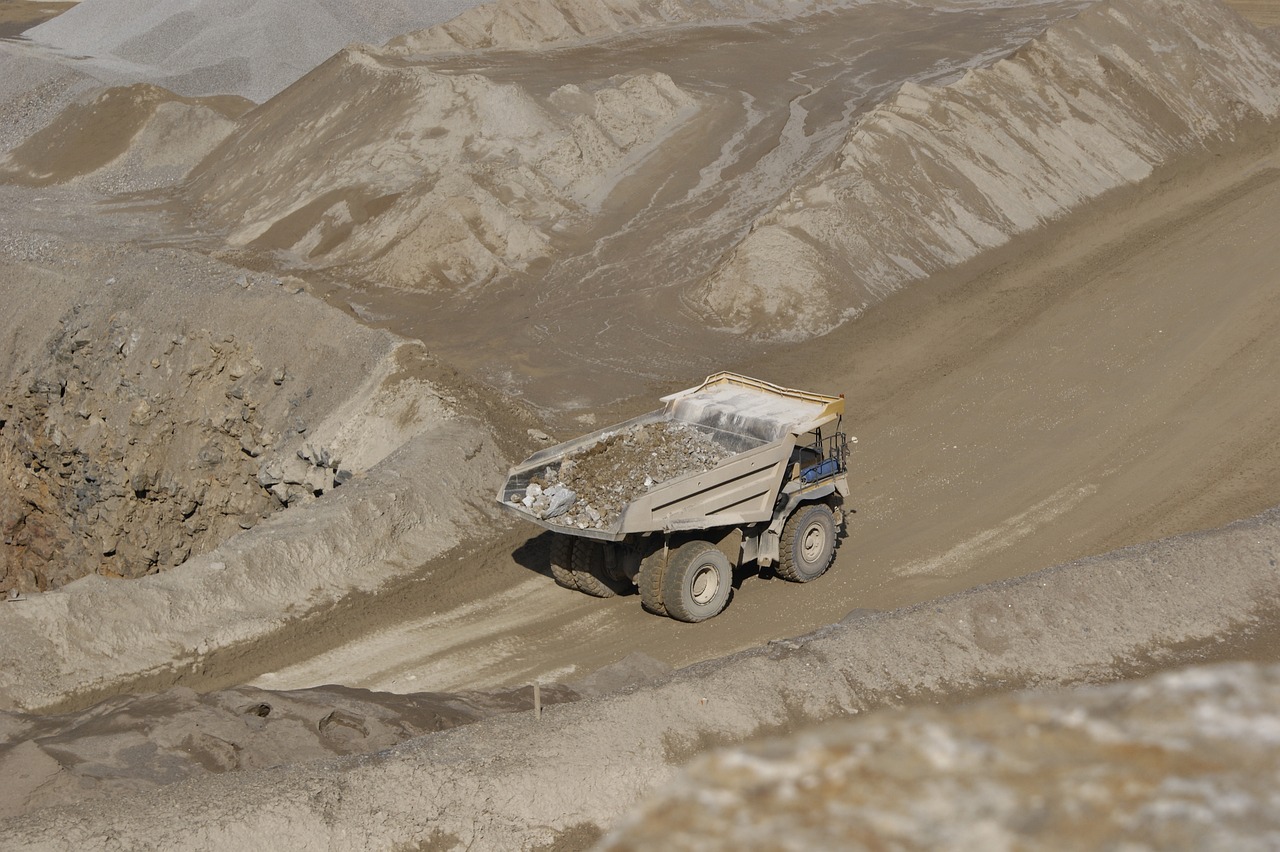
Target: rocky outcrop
<point>144,421</point>
<point>428,180</point>
<point>131,449</point>
<point>935,176</point>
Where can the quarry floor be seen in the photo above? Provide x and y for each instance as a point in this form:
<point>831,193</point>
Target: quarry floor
<point>1103,383</point>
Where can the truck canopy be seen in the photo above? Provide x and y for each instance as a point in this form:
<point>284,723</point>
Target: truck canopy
<point>739,405</point>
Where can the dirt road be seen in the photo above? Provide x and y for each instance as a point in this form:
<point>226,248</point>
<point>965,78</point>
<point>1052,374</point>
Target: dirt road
<point>1105,383</point>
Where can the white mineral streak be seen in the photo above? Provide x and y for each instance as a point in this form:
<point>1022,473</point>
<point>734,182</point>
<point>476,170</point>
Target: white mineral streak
<point>935,176</point>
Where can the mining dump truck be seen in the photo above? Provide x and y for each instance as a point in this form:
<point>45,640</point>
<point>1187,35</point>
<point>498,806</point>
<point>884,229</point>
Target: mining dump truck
<point>732,472</point>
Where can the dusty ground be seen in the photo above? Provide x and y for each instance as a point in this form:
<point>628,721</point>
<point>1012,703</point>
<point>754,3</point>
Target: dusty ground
<point>517,781</point>
<point>1102,381</point>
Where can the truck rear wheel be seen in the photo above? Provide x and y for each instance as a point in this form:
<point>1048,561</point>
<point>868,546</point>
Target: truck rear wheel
<point>589,571</point>
<point>698,582</point>
<point>653,569</point>
<point>562,560</point>
<point>808,543</point>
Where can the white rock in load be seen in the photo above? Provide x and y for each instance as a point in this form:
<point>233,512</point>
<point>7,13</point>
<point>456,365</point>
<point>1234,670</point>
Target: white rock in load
<point>561,499</point>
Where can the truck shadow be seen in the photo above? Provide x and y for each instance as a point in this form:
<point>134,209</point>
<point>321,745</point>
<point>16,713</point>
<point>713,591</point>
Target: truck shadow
<point>535,554</point>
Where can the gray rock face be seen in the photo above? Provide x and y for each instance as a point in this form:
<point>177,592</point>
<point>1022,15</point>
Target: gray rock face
<point>154,404</point>
<point>1186,760</point>
<point>129,449</point>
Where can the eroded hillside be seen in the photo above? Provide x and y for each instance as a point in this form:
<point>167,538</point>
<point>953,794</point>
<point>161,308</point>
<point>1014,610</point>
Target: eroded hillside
<point>717,182</point>
<point>935,176</point>
<point>540,195</point>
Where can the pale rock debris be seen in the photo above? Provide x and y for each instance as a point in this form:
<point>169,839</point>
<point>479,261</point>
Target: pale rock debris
<point>1186,760</point>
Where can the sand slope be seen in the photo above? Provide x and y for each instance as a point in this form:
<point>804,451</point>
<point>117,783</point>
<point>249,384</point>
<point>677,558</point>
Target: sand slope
<point>935,176</point>
<point>434,180</point>
<point>515,24</point>
<point>652,177</point>
<point>540,195</point>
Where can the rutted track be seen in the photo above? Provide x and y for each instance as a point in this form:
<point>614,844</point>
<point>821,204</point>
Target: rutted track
<point>1098,387</point>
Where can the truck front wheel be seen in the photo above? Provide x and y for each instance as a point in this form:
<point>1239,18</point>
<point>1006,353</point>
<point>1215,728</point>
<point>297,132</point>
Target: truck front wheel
<point>698,582</point>
<point>808,543</point>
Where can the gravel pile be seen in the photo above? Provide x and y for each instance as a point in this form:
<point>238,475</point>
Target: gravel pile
<point>591,487</point>
<point>33,91</point>
<point>252,48</point>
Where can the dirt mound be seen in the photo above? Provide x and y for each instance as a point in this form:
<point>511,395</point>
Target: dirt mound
<point>935,176</point>
<point>251,48</point>
<point>144,135</point>
<point>137,743</point>
<point>536,196</point>
<point>34,90</point>
<point>476,179</point>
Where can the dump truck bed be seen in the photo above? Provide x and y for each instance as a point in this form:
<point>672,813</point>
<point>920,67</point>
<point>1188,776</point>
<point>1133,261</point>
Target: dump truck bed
<point>755,425</point>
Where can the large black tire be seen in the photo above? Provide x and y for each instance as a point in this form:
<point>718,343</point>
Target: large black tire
<point>589,571</point>
<point>698,582</point>
<point>808,543</point>
<point>653,569</point>
<point>562,560</point>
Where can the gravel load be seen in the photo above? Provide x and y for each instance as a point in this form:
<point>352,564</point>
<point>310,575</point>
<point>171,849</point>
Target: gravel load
<point>592,486</point>
<point>252,48</point>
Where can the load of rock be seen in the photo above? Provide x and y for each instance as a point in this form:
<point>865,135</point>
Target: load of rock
<point>590,488</point>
